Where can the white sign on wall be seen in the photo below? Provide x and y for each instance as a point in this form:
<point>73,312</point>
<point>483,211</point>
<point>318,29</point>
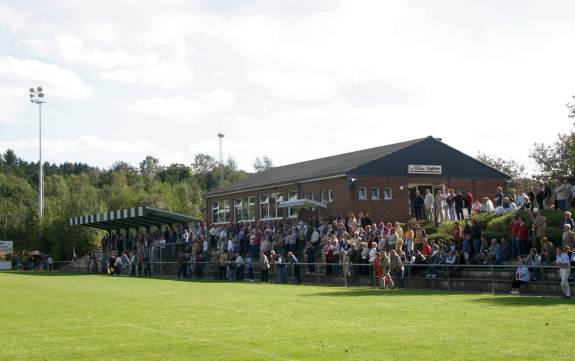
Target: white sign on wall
<point>6,250</point>
<point>6,246</point>
<point>423,169</point>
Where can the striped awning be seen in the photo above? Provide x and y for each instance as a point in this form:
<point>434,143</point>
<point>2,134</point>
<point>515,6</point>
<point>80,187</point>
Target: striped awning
<point>131,218</point>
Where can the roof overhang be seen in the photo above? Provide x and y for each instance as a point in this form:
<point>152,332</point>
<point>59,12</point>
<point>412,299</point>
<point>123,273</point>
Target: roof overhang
<point>302,204</point>
<point>131,218</point>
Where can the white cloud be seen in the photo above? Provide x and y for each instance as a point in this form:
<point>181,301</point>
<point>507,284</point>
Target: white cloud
<point>338,76</point>
<point>95,150</point>
<point>17,75</point>
<point>191,109</point>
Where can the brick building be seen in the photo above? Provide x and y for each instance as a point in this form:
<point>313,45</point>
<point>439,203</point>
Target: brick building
<point>381,180</point>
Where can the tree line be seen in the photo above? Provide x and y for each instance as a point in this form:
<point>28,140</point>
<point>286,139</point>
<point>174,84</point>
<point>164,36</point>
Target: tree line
<point>72,189</point>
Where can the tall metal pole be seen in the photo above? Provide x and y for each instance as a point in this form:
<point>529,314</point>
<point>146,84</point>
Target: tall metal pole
<point>41,188</point>
<point>37,97</point>
<point>221,151</point>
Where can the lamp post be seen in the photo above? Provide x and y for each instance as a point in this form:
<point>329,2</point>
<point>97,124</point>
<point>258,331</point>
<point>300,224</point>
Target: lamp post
<point>221,160</point>
<point>37,97</point>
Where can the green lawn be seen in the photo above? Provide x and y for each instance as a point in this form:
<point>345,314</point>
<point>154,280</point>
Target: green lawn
<point>68,317</point>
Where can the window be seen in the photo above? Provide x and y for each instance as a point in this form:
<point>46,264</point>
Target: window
<point>387,193</point>
<point>215,212</point>
<point>312,196</point>
<point>221,212</point>
<point>245,209</point>
<point>269,205</point>
<point>237,210</point>
<point>292,212</point>
<point>225,211</point>
<point>375,194</point>
<point>330,195</point>
<point>264,206</point>
<point>362,193</point>
<point>323,196</point>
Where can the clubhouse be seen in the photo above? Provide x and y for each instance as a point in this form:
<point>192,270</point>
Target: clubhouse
<point>381,180</point>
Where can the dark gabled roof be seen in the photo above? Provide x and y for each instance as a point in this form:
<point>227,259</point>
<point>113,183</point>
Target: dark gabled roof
<point>131,218</point>
<point>314,169</point>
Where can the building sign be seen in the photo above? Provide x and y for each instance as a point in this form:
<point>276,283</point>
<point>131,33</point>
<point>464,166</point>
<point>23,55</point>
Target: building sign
<point>6,250</point>
<point>423,169</point>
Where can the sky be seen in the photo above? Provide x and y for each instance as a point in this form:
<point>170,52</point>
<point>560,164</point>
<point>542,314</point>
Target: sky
<point>293,80</point>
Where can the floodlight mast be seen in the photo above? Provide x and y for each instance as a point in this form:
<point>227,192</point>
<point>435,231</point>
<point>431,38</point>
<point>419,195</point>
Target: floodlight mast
<point>37,97</point>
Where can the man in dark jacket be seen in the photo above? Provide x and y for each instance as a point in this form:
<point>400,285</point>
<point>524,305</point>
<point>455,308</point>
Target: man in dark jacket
<point>476,237</point>
<point>418,205</point>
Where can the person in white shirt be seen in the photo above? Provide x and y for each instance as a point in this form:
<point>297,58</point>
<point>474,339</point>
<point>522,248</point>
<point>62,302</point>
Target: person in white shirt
<point>230,248</point>
<point>372,252</point>
<point>428,203</point>
<point>562,260</point>
<point>205,253</point>
<point>439,200</point>
<point>521,276</point>
<point>488,205</point>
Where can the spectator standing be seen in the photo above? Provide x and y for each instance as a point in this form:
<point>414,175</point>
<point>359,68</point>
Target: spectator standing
<point>295,267</point>
<point>439,200</point>
<point>515,246</point>
<point>50,264</point>
<point>397,267</point>
<point>265,266</point>
<point>568,237</point>
<point>567,219</point>
<point>459,202</point>
<point>563,194</point>
<point>418,205</point>
<point>468,202</point>
<point>240,264</point>
<point>543,193</point>
<point>498,199</point>
<point>539,228</point>
<point>428,201</point>
<point>563,261</point>
<point>476,237</point>
<point>522,236</point>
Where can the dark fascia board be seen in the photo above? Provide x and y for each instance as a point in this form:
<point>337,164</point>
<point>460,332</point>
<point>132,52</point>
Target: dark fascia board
<point>430,138</point>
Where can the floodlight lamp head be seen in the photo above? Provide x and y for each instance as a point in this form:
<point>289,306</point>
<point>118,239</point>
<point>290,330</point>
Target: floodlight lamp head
<point>41,95</point>
<point>39,89</point>
<point>32,90</point>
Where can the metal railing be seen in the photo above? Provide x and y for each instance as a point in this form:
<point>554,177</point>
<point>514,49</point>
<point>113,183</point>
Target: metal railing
<point>469,277</point>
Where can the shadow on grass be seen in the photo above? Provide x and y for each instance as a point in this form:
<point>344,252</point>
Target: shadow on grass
<point>363,292</point>
<point>45,273</point>
<point>523,301</point>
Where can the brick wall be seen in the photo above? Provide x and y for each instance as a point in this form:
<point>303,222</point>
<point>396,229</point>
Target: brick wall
<point>345,198</point>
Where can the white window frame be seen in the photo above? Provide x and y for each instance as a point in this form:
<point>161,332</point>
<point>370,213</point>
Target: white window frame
<point>378,197</point>
<point>244,205</point>
<point>330,195</point>
<point>215,211</point>
<point>360,191</point>
<point>323,196</point>
<point>387,193</point>
<point>292,213</point>
<point>273,200</point>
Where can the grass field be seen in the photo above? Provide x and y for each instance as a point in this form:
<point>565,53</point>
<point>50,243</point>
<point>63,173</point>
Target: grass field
<point>69,317</point>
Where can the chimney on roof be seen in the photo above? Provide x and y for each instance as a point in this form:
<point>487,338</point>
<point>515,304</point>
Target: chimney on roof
<point>439,139</point>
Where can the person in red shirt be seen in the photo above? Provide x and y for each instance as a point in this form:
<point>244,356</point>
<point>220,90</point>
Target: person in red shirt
<point>515,247</point>
<point>468,202</point>
<point>426,249</point>
<point>523,236</point>
<point>378,270</point>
